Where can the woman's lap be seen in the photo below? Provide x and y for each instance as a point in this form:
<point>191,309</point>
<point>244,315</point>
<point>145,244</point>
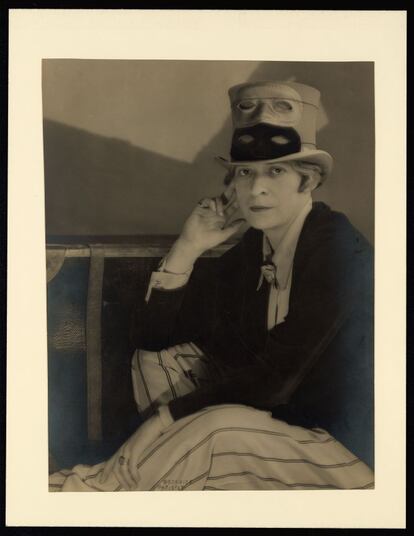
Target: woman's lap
<point>235,447</point>
<point>222,447</point>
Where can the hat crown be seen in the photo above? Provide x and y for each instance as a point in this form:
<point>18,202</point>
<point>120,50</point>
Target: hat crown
<point>275,121</point>
<point>264,88</point>
<point>281,104</point>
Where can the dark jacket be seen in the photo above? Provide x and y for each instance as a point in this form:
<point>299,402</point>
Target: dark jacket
<point>316,368</point>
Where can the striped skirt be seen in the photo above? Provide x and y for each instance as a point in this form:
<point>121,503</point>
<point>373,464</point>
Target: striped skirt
<point>223,447</point>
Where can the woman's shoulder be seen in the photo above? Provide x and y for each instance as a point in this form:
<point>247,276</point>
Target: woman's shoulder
<point>325,227</point>
<point>329,243</point>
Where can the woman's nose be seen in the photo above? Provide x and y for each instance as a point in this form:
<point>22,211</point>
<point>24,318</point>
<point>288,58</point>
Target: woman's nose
<point>258,185</point>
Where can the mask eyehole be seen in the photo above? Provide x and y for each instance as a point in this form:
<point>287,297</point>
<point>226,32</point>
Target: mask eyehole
<point>282,106</point>
<point>280,140</point>
<point>246,105</point>
<point>246,138</point>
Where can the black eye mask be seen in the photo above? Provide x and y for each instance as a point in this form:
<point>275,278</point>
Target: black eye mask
<point>264,142</point>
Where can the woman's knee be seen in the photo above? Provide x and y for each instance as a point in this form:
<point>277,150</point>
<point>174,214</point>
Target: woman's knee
<point>142,358</point>
<point>229,418</point>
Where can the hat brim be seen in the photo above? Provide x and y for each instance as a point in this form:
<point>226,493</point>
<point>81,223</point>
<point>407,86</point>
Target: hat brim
<point>321,158</point>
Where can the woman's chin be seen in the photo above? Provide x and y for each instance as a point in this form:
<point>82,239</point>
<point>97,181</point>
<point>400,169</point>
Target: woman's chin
<point>261,224</point>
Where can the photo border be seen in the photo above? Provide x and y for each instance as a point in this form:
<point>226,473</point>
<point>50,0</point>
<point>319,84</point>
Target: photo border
<point>377,36</point>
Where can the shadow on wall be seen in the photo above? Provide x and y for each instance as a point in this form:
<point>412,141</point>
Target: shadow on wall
<point>105,186</point>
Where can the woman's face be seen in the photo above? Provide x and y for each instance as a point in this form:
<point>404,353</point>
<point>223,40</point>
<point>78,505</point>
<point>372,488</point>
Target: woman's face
<point>268,194</point>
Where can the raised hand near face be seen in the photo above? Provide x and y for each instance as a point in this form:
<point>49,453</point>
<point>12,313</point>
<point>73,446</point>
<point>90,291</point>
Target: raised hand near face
<point>208,225</point>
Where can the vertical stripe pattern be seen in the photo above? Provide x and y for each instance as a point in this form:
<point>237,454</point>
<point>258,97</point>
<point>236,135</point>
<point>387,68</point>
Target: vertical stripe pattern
<point>158,377</point>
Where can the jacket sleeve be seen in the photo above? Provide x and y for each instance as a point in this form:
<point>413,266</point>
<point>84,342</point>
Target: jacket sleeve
<point>326,293</point>
<point>182,314</point>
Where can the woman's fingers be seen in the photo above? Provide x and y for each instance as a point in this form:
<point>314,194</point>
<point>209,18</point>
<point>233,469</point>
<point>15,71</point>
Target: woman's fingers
<point>219,206</point>
<point>215,204</point>
<point>124,474</point>
<point>210,219</point>
<point>206,207</point>
<point>231,204</point>
<point>229,194</point>
<point>120,466</point>
<point>232,228</point>
<point>223,205</point>
<point>130,476</point>
<point>120,476</point>
<point>109,466</point>
<point>213,220</point>
<point>230,191</point>
<point>232,209</point>
<point>212,205</point>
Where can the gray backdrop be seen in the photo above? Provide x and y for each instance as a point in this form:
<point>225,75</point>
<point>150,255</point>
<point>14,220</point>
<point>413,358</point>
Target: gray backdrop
<point>129,145</point>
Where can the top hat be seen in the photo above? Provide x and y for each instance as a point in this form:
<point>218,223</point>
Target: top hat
<point>275,122</point>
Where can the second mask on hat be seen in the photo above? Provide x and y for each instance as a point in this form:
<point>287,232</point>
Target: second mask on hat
<point>275,121</point>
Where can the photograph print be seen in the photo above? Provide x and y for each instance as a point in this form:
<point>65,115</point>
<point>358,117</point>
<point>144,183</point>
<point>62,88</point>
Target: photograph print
<point>210,274</point>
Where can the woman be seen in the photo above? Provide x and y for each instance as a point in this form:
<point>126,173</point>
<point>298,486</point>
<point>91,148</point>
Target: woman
<point>248,373</point>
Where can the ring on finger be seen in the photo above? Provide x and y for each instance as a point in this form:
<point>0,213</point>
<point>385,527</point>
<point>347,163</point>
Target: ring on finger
<point>204,203</point>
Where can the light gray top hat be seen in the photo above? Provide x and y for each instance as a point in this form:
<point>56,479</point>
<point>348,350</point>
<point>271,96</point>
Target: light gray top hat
<point>275,122</point>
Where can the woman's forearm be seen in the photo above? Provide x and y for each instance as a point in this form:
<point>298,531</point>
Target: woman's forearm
<point>181,257</point>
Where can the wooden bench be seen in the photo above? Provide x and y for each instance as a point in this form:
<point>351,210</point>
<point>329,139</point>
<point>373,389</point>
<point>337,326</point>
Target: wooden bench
<point>94,284</point>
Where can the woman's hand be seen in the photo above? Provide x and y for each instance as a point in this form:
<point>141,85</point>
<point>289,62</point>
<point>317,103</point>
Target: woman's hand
<point>206,227</point>
<point>124,462</point>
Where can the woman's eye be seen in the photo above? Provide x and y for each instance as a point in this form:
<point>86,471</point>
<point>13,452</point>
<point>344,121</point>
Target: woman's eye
<point>244,172</point>
<point>276,171</point>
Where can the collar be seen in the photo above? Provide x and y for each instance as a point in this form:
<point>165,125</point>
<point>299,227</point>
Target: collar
<point>281,260</point>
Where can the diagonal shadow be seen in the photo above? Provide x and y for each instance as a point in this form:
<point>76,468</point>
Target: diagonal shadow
<point>104,186</point>
<point>97,185</point>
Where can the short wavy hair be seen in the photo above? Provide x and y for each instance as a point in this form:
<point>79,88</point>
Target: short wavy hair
<point>306,170</point>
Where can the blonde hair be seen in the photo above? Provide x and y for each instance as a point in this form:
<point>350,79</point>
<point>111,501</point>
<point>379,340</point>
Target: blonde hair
<point>307,171</point>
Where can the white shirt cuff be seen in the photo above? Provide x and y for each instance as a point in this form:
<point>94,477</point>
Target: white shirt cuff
<point>165,280</point>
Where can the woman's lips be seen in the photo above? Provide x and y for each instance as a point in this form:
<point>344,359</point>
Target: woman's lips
<point>258,208</point>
